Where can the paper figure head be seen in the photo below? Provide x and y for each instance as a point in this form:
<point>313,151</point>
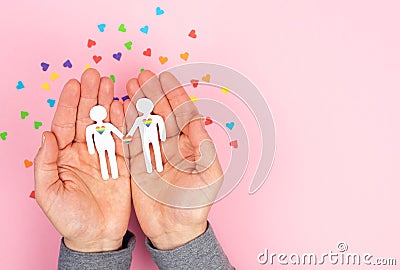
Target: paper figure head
<point>144,105</point>
<point>98,113</point>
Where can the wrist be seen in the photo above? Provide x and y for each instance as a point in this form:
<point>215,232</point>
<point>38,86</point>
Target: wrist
<point>174,239</point>
<point>93,246</point>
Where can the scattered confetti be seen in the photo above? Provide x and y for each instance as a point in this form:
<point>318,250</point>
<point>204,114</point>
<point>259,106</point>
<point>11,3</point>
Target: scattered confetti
<point>184,56</point>
<point>46,86</point>
<point>208,121</point>
<point>234,144</point>
<point>117,56</point>
<point>101,27</point>
<point>194,99</point>
<point>225,90</point>
<point>32,195</point>
<point>192,34</point>
<point>27,163</point>
<point>37,124</point>
<point>125,98</point>
<point>20,85</point>
<point>147,52</point>
<point>51,102</point>
<point>97,59</point>
<point>142,69</point>
<point>67,64</point>
<point>206,78</point>
<point>24,115</point>
<point>159,11</point>
<point>122,28</point>
<point>230,125</point>
<point>3,135</point>
<point>54,76</point>
<point>91,43</point>
<point>128,45</point>
<point>112,77</point>
<point>163,59</point>
<point>144,29</point>
<point>44,66</point>
<point>195,83</point>
<point>88,66</point>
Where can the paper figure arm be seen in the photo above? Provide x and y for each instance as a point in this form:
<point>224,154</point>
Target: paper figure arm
<point>134,127</point>
<point>89,140</point>
<point>161,127</point>
<point>116,131</point>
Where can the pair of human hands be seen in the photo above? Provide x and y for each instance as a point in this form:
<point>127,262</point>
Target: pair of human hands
<point>93,214</point>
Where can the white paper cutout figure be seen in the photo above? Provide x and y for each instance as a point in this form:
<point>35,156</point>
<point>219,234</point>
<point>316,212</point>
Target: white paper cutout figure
<point>147,124</point>
<point>103,140</point>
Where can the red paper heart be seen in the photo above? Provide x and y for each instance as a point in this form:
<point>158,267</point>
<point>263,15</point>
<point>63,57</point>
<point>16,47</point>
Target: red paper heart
<point>195,83</point>
<point>147,52</point>
<point>192,34</point>
<point>32,195</point>
<point>234,144</point>
<point>91,43</point>
<point>97,59</point>
<point>208,121</point>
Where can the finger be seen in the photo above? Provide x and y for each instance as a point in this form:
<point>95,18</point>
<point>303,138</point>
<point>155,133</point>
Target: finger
<point>106,95</point>
<point>152,90</point>
<point>46,170</point>
<point>63,125</point>
<point>135,93</point>
<point>180,102</point>
<point>89,91</point>
<point>117,119</point>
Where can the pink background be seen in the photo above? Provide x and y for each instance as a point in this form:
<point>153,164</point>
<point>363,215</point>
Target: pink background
<point>329,71</point>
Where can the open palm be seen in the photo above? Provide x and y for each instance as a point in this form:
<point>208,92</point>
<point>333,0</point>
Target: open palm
<point>91,214</point>
<point>167,215</point>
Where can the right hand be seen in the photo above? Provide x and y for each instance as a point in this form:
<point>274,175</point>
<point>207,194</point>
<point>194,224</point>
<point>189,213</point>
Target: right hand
<point>91,214</point>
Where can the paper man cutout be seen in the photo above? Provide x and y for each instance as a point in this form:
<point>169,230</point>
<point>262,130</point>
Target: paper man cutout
<point>101,133</point>
<point>147,124</point>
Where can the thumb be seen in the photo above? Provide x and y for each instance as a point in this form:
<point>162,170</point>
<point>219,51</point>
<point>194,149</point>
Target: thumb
<point>46,171</point>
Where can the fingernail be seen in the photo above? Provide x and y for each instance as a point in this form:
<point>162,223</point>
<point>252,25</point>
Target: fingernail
<point>115,98</point>
<point>43,139</point>
<point>125,98</point>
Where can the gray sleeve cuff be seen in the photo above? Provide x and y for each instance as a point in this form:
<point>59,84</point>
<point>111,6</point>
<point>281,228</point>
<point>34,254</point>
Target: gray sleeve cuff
<point>113,260</point>
<point>203,252</point>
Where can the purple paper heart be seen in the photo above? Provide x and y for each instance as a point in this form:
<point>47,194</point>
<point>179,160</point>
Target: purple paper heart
<point>117,56</point>
<point>67,64</point>
<point>44,66</point>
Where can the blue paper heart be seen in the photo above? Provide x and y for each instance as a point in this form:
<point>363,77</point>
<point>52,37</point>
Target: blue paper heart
<point>20,85</point>
<point>101,27</point>
<point>230,125</point>
<point>144,29</point>
<point>67,64</point>
<point>159,11</point>
<point>117,56</point>
<point>44,66</point>
<point>51,102</point>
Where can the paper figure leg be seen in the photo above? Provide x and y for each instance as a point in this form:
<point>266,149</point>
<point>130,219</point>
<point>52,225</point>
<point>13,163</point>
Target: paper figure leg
<point>103,165</point>
<point>113,164</point>
<point>157,156</point>
<point>147,157</point>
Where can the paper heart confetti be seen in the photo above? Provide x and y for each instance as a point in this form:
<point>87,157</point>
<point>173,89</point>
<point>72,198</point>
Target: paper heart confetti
<point>32,195</point>
<point>194,99</point>
<point>234,144</point>
<point>127,139</point>
<point>159,11</point>
<point>147,122</point>
<point>87,66</point>
<point>20,85</point>
<point>44,66</point>
<point>117,56</point>
<point>101,129</point>
<point>91,43</point>
<point>37,124</point>
<point>122,28</point>
<point>128,45</point>
<point>3,135</point>
<point>225,90</point>
<point>206,78</point>
<point>46,86</point>
<point>230,125</point>
<point>101,27</point>
<point>192,33</point>
<point>208,121</point>
<point>97,59</point>
<point>28,163</point>
<point>195,83</point>
<point>144,29</point>
<point>112,77</point>
<point>163,60</point>
<point>184,56</point>
<point>51,102</point>
<point>147,52</point>
<point>24,114</point>
<point>67,64</point>
<point>54,76</point>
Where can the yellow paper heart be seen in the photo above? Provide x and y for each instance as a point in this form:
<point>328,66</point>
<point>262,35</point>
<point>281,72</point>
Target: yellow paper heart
<point>87,66</point>
<point>163,60</point>
<point>225,90</point>
<point>206,78</point>
<point>46,86</point>
<point>193,98</point>
<point>185,56</point>
<point>54,76</point>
